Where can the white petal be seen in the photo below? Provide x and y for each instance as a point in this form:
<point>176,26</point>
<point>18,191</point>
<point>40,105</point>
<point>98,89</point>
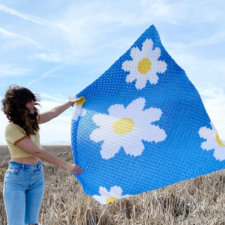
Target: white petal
<point>140,83</point>
<point>213,127</point>
<point>128,66</point>
<point>153,133</point>
<point>100,199</point>
<point>73,98</point>
<point>207,133</point>
<point>153,78</point>
<point>161,67</point>
<point>208,145</point>
<point>109,149</point>
<point>155,55</point>
<point>83,112</point>
<point>136,105</point>
<point>147,45</point>
<point>102,119</point>
<point>152,114</point>
<point>134,147</point>
<point>76,112</point>
<point>135,52</point>
<point>98,135</point>
<point>117,111</point>
<point>219,153</point>
<point>130,78</point>
<point>116,191</point>
<point>104,192</point>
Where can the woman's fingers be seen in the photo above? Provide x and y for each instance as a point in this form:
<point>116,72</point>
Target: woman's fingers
<point>77,169</point>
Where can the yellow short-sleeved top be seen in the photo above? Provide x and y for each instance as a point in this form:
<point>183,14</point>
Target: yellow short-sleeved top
<point>13,134</point>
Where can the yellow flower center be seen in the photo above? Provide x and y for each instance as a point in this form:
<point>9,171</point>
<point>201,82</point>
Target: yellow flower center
<point>220,143</point>
<point>144,65</point>
<point>81,101</point>
<point>123,126</point>
<point>111,199</point>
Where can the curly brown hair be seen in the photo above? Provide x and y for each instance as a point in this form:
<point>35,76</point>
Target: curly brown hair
<point>14,102</point>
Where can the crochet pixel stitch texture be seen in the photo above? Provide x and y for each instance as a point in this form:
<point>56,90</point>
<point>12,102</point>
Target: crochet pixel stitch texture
<point>142,126</point>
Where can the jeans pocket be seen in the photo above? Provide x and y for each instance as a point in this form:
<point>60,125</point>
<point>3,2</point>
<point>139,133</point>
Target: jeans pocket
<point>14,170</point>
<point>13,177</point>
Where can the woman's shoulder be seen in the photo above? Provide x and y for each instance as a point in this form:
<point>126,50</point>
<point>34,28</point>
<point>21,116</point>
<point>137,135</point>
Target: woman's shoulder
<point>12,126</point>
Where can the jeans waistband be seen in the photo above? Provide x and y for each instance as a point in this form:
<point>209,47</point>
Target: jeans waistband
<point>26,166</point>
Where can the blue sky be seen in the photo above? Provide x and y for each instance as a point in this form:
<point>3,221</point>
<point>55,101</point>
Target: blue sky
<point>58,48</point>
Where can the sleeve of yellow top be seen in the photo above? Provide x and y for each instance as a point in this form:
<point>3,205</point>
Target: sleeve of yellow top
<point>14,134</point>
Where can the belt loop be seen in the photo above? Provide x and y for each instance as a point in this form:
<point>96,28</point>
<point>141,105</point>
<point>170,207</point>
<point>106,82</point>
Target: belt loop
<point>23,167</point>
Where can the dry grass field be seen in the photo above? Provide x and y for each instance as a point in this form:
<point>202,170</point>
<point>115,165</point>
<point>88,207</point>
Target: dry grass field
<point>199,201</point>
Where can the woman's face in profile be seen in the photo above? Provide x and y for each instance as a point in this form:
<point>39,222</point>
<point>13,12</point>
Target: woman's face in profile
<point>30,106</point>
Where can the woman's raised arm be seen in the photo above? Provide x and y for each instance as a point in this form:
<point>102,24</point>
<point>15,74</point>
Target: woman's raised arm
<point>47,116</point>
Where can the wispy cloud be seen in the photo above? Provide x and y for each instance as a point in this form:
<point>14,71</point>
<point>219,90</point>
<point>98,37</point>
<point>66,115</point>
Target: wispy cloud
<point>214,39</point>
<point>47,74</point>
<point>11,70</point>
<point>32,18</point>
<point>6,33</point>
<point>52,97</point>
<point>211,40</point>
<point>178,12</point>
<point>49,57</point>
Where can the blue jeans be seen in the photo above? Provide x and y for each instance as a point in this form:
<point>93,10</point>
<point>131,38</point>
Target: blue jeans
<point>23,191</point>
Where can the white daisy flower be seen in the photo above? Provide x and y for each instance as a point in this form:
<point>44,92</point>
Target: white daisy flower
<point>212,142</point>
<point>78,111</point>
<point>145,65</point>
<point>107,197</point>
<point>127,128</point>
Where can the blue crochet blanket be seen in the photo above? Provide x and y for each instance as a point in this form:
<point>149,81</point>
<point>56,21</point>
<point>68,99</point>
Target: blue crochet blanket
<point>142,126</point>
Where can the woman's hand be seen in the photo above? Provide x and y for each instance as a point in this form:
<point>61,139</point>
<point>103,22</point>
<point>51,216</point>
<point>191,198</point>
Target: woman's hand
<point>73,168</point>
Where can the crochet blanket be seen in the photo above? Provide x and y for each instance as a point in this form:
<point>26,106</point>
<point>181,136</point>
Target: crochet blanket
<point>142,126</point>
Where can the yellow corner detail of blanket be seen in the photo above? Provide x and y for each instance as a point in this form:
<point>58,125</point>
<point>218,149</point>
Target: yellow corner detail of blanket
<point>81,101</point>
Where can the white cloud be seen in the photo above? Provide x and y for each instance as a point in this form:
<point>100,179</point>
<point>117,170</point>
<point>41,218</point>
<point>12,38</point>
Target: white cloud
<point>181,11</point>
<point>53,98</point>
<point>211,40</point>
<point>201,71</point>
<point>50,57</point>
<point>32,18</point>
<point>214,101</point>
<point>214,39</point>
<point>46,74</point>
<point>4,33</point>
<point>160,10</point>
<point>57,129</point>
<point>93,21</point>
<point>11,70</point>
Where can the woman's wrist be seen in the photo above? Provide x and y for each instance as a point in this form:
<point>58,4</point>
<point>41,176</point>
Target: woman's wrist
<point>66,165</point>
<point>70,103</point>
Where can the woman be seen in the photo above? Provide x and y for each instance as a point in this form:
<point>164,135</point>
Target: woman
<point>24,181</point>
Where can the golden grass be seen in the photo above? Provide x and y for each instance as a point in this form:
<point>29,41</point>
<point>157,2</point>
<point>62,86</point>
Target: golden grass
<point>199,201</point>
